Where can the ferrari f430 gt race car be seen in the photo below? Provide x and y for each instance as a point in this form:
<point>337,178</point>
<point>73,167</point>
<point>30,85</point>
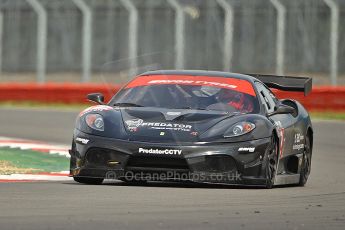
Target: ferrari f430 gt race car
<point>199,126</point>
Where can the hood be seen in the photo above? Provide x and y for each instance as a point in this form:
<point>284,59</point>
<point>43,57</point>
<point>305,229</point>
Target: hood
<point>166,125</point>
<point>148,124</point>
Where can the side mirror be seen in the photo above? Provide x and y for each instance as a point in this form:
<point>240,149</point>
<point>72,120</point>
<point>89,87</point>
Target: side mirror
<point>283,109</point>
<point>96,97</point>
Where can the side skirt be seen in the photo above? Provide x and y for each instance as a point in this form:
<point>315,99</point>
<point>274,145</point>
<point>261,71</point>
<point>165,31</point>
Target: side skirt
<point>287,179</point>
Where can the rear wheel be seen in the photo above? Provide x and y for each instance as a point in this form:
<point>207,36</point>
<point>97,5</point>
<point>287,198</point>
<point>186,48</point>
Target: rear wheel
<point>306,165</point>
<point>271,163</point>
<point>88,180</point>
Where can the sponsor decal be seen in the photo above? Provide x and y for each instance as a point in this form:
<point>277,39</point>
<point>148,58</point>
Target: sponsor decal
<point>298,146</point>
<point>246,149</point>
<point>133,129</point>
<point>134,123</point>
<point>96,108</point>
<point>208,83</point>
<point>298,138</point>
<point>161,151</point>
<point>82,140</point>
<point>239,85</point>
<point>168,126</point>
<point>297,143</point>
<point>137,123</point>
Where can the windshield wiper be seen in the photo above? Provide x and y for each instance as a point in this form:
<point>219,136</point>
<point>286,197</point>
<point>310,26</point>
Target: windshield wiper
<point>127,104</point>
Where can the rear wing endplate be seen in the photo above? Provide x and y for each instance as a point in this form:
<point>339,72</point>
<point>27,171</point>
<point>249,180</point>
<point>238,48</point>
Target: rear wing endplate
<point>286,83</point>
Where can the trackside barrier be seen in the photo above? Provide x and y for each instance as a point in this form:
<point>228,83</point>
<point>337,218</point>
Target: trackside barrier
<point>54,92</point>
<point>320,99</point>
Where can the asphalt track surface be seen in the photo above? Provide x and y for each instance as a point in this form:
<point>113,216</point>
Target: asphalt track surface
<point>68,205</point>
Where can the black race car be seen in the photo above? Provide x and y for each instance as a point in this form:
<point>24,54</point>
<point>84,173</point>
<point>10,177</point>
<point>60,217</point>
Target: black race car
<point>199,126</point>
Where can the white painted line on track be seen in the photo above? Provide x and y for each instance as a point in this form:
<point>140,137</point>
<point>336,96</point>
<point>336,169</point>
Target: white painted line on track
<point>35,177</point>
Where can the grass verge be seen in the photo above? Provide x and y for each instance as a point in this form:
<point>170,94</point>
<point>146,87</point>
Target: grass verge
<point>28,161</point>
<point>328,115</point>
<point>9,168</point>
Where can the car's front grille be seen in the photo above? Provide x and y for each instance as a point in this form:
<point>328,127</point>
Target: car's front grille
<point>156,162</point>
<point>217,163</point>
<point>102,157</point>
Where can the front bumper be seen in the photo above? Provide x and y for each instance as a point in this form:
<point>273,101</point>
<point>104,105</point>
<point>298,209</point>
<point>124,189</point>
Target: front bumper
<point>229,163</point>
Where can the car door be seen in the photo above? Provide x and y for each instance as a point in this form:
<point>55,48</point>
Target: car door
<point>284,122</point>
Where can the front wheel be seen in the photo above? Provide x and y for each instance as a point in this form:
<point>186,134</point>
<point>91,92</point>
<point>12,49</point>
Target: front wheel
<point>271,163</point>
<point>88,180</point>
<point>306,164</point>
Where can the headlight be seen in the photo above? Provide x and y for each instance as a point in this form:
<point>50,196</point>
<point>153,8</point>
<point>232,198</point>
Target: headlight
<point>95,121</point>
<point>239,129</point>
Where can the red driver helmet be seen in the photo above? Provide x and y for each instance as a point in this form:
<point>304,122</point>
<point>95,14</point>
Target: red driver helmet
<point>237,100</point>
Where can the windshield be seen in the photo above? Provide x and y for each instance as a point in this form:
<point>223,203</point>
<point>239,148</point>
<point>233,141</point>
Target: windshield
<point>189,92</point>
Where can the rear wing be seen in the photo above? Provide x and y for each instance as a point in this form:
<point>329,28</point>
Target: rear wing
<point>286,83</point>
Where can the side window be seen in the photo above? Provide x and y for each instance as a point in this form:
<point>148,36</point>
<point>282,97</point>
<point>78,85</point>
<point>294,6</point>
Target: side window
<point>271,96</point>
<point>266,96</point>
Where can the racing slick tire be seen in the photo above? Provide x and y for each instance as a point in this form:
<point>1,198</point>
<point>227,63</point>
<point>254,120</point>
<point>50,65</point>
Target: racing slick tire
<point>271,163</point>
<point>306,164</point>
<point>88,180</point>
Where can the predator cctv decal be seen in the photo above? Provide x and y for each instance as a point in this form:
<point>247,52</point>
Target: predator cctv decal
<point>239,85</point>
<point>161,151</point>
